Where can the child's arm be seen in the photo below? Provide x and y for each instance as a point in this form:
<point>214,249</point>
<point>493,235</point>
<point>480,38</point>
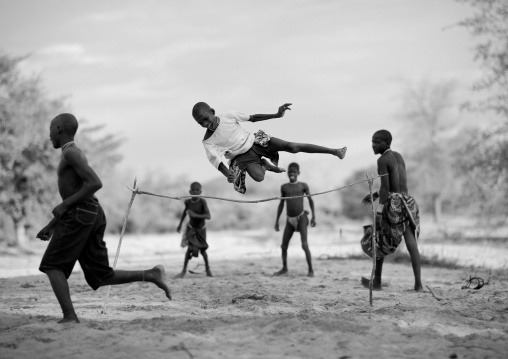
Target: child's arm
<point>280,208</point>
<point>280,113</point>
<point>184,213</point>
<point>204,215</point>
<point>46,233</point>
<point>366,199</point>
<point>306,190</point>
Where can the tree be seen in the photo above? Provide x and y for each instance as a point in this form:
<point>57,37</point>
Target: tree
<point>427,132</point>
<point>489,24</point>
<point>485,167</point>
<point>28,190</point>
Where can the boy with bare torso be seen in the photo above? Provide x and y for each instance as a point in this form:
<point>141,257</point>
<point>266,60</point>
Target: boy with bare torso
<point>244,151</point>
<point>397,213</point>
<point>195,233</point>
<point>78,226</point>
<point>297,220</point>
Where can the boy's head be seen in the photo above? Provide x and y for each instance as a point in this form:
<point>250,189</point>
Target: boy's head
<point>293,171</point>
<point>204,114</point>
<point>195,188</point>
<point>381,141</point>
<point>62,129</point>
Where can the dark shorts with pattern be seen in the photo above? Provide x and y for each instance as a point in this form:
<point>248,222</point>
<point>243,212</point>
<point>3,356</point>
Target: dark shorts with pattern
<point>254,154</point>
<point>79,236</point>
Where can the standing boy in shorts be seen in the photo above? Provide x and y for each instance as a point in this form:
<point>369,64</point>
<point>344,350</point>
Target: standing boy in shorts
<point>297,220</point>
<point>225,138</point>
<point>78,226</point>
<point>195,234</point>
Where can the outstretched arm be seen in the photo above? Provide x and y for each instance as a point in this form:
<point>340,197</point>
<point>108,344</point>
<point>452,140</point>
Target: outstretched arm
<point>366,199</point>
<point>46,233</point>
<point>311,205</point>
<point>280,113</point>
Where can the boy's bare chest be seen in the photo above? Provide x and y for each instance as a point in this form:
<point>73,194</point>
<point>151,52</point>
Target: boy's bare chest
<point>291,190</point>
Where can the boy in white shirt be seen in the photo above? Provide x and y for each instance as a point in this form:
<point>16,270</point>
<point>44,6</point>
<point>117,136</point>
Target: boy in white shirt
<point>225,138</point>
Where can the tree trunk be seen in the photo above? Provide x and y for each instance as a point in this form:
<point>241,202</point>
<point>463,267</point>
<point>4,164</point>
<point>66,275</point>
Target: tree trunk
<point>20,239</point>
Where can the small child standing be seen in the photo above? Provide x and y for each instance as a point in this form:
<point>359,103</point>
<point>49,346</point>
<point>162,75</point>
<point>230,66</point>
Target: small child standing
<point>297,220</point>
<point>195,233</point>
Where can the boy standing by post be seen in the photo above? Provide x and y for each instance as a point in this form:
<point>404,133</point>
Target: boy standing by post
<point>225,138</point>
<point>195,233</point>
<point>297,220</point>
<point>397,212</point>
<point>78,226</point>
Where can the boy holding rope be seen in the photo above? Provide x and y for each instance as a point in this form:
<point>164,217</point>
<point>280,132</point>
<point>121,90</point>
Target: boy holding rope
<point>297,220</point>
<point>78,226</point>
<point>397,212</point>
<point>194,236</point>
<point>225,138</point>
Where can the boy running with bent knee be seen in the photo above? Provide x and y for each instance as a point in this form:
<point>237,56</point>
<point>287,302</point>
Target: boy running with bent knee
<point>297,220</point>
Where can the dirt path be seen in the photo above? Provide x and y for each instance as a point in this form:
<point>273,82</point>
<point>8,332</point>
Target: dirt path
<point>294,316</point>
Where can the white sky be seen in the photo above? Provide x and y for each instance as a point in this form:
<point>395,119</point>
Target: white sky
<point>139,67</point>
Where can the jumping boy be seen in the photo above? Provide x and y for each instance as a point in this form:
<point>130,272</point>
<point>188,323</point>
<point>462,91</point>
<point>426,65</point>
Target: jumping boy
<point>225,138</point>
<point>78,226</point>
<point>397,213</point>
<point>195,233</point>
<point>297,220</point>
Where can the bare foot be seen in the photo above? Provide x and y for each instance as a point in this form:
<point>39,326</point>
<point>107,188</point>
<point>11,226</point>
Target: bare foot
<point>158,274</point>
<point>418,287</point>
<point>180,275</point>
<point>72,318</point>
<point>375,286</point>
<point>310,274</point>
<point>209,273</point>
<point>269,167</point>
<point>283,271</point>
<point>340,152</point>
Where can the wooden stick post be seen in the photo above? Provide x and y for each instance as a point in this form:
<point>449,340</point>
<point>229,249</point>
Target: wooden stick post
<point>120,242</point>
<point>374,237</point>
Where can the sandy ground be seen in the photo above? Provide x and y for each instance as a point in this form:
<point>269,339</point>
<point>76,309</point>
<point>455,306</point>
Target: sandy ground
<point>327,316</point>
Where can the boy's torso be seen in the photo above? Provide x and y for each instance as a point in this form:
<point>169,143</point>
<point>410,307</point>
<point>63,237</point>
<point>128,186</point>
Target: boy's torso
<point>295,205</point>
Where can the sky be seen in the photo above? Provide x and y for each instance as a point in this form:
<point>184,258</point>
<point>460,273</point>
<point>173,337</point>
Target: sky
<point>139,66</point>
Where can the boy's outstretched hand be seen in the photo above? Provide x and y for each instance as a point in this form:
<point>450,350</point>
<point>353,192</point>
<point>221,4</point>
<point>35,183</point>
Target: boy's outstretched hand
<point>366,199</point>
<point>283,109</point>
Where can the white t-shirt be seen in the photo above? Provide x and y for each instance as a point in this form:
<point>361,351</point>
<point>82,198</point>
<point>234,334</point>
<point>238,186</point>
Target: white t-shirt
<point>229,139</point>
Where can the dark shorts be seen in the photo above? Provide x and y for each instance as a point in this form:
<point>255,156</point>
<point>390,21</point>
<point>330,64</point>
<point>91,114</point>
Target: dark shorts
<point>79,236</point>
<point>254,154</point>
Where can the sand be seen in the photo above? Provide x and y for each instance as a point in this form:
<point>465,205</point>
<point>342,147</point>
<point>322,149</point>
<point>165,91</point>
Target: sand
<point>328,316</point>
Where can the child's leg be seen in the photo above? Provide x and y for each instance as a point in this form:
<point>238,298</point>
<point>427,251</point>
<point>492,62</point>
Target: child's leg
<point>257,171</point>
<point>286,237</point>
<point>302,226</point>
<point>61,289</point>
<point>294,147</point>
<point>377,276</point>
<point>412,248</point>
<point>207,266</point>
<point>156,275</point>
<point>188,255</point>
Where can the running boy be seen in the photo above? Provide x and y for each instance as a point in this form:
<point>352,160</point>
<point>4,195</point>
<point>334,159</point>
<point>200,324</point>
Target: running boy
<point>78,226</point>
<point>195,234</point>
<point>225,138</point>
<point>297,220</point>
<point>397,212</point>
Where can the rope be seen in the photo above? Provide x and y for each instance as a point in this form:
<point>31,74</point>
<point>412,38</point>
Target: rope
<point>137,191</point>
<point>120,244</point>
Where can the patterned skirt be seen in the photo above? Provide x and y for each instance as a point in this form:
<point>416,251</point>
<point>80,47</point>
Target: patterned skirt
<point>399,212</point>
